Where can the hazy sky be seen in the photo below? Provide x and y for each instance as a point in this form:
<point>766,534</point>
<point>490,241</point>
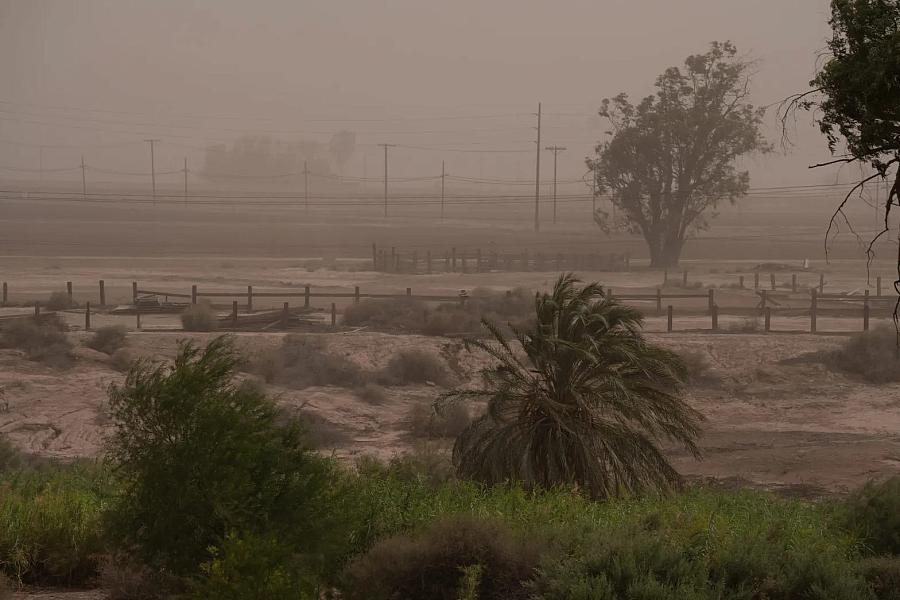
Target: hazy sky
<point>89,73</point>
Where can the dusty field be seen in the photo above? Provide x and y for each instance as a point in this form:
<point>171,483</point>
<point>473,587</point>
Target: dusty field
<point>771,421</point>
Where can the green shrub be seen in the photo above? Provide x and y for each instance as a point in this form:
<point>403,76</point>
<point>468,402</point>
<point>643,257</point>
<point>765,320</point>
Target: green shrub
<point>42,339</point>
<point>871,356</point>
<point>60,301</point>
<point>371,393</point>
<point>250,566</point>
<point>50,524</point>
<point>873,514</point>
<point>303,361</point>
<point>415,366</point>
<point>108,339</point>
<point>199,317</point>
<point>198,456</point>
<point>883,575</point>
<point>437,563</point>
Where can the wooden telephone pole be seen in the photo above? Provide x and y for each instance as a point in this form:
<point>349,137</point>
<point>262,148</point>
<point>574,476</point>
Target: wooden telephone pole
<point>386,146</point>
<point>537,175</point>
<point>556,150</point>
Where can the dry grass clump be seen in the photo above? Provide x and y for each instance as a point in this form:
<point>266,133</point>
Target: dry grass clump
<point>409,366</point>
<point>199,317</point>
<point>699,367</point>
<point>43,340</point>
<point>746,325</point>
<point>122,359</point>
<point>60,301</point>
<point>424,422</point>
<point>871,356</point>
<point>392,315</point>
<point>303,361</point>
<point>108,339</point>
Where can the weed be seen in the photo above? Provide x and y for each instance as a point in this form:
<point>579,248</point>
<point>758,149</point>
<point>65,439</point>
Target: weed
<point>303,361</point>
<point>409,366</point>
<point>108,339</point>
<point>60,301</point>
<point>43,340</point>
<point>872,356</point>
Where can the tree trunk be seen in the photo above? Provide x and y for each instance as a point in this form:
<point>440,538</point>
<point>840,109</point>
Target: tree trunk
<point>664,252</point>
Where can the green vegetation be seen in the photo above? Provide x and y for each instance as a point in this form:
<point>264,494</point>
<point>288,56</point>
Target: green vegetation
<point>586,406</point>
<point>108,339</point>
<point>42,339</point>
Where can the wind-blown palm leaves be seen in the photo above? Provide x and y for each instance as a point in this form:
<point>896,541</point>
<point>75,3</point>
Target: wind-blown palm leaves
<point>585,400</point>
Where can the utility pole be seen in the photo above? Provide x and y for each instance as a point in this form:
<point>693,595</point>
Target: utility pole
<point>306,186</point>
<point>83,181</point>
<point>537,175</point>
<point>185,180</point>
<point>556,150</point>
<point>443,174</point>
<point>386,146</point>
<point>152,168</point>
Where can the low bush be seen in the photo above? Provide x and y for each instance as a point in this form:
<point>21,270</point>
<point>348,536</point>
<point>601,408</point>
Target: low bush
<point>873,514</point>
<point>428,463</point>
<point>392,315</point>
<point>425,421</point>
<point>415,366</point>
<point>871,356</point>
<point>450,555</point>
<point>50,523</point>
<point>371,393</point>
<point>60,301</point>
<point>42,339</point>
<point>122,359</point>
<point>303,361</point>
<point>123,579</point>
<point>108,339</point>
<point>883,575</point>
<point>699,368</point>
<point>199,317</point>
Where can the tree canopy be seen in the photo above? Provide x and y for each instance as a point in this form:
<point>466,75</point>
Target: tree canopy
<point>671,158</point>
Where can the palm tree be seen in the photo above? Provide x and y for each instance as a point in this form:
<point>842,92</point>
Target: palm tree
<point>585,400</point>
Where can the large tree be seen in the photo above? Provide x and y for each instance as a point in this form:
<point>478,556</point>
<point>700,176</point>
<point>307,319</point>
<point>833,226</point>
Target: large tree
<point>577,398</point>
<point>855,98</point>
<point>670,159</point>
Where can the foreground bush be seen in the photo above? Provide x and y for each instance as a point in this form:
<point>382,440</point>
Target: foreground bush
<point>303,361</point>
<point>871,356</point>
<point>108,339</point>
<point>200,317</point>
<point>60,301</point>
<point>415,366</point>
<point>42,339</point>
<point>198,456</point>
<point>873,514</point>
<point>50,524</point>
<point>452,554</point>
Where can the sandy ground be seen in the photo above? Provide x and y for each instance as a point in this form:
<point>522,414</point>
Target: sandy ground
<point>772,421</point>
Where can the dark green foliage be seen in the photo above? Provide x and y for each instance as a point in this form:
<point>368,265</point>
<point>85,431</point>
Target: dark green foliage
<point>198,456</point>
<point>431,565</point>
<point>108,339</point>
<point>671,158</point>
<point>583,400</point>
<point>409,366</point>
<point>873,513</point>
<point>43,340</point>
<point>303,361</point>
<point>200,317</point>
<point>871,356</point>
<point>883,575</point>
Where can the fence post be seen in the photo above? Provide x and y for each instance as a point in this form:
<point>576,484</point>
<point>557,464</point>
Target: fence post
<point>821,283</point>
<point>669,318</point>
<point>137,318</point>
<point>712,300</point>
<point>285,311</point>
<point>768,319</point>
<point>714,313</point>
<point>866,311</point>
<point>194,294</point>
<point>356,295</point>
<point>878,286</point>
<point>658,301</point>
<point>813,309</point>
<point>305,297</point>
<point>398,265</point>
<point>5,293</point>
<point>69,292</point>
<point>665,277</point>
<point>772,280</point>
<point>134,292</point>
<point>462,261</point>
<point>741,281</point>
<point>794,283</point>
<point>764,296</point>
<point>333,316</point>
<point>87,315</point>
<point>374,258</point>
<point>684,279</point>
<point>234,313</point>
<point>102,293</point>
<point>756,280</point>
<point>249,298</point>
<point>408,292</point>
<point>37,310</point>
<point>428,261</point>
<point>453,259</point>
